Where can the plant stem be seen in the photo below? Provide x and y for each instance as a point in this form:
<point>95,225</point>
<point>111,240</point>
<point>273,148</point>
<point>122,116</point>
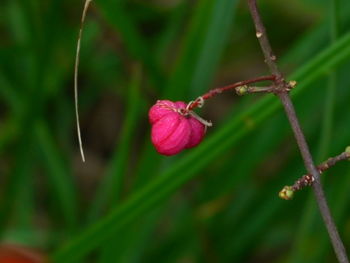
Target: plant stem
<point>270,60</point>
<point>317,186</point>
<point>307,179</point>
<point>197,102</point>
<point>76,68</point>
<point>270,57</point>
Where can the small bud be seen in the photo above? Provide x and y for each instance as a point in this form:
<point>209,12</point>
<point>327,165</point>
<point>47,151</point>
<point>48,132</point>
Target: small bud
<point>286,193</point>
<point>242,90</point>
<point>347,150</point>
<point>292,83</point>
<point>258,34</point>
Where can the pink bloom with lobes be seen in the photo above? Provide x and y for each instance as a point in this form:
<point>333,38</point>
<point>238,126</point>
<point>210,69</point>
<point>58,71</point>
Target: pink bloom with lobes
<point>173,128</point>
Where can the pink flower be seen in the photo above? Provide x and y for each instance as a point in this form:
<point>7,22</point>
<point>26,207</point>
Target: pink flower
<point>173,128</point>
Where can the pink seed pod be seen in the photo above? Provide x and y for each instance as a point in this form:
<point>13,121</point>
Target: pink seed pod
<point>173,127</point>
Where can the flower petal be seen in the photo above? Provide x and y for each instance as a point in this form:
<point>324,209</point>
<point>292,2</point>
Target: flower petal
<point>180,105</point>
<point>168,140</point>
<point>160,109</point>
<point>197,132</point>
<point>164,127</point>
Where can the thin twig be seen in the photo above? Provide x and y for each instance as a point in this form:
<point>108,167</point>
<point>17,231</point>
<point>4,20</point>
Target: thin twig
<point>306,180</point>
<point>198,102</point>
<point>243,90</point>
<point>76,67</point>
<point>270,59</point>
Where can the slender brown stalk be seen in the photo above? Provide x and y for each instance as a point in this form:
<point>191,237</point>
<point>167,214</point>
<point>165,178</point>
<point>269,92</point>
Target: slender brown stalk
<point>270,60</point>
<point>214,92</point>
<point>306,180</point>
<point>196,103</point>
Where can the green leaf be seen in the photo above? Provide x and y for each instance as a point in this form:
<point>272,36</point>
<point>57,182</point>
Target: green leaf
<point>58,175</point>
<point>202,48</point>
<point>117,16</point>
<point>108,194</point>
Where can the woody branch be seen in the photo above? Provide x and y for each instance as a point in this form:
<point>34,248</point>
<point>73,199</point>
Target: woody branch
<point>283,95</point>
<point>307,180</point>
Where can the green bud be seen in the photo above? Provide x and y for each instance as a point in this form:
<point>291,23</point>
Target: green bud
<point>242,90</point>
<point>292,83</point>
<point>347,150</point>
<point>286,193</point>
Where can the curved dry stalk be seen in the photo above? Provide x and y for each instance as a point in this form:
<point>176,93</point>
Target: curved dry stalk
<point>76,67</point>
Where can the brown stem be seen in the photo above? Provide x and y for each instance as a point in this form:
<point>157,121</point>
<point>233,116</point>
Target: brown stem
<point>270,59</point>
<point>332,161</point>
<point>196,103</point>
<point>306,180</point>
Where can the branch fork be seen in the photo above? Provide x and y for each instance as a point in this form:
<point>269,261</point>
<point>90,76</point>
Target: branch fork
<point>313,172</point>
<point>287,193</point>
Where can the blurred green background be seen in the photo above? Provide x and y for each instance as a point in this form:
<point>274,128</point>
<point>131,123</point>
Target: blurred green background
<point>215,203</point>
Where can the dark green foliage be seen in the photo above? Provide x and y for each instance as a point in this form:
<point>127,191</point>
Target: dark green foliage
<point>217,202</point>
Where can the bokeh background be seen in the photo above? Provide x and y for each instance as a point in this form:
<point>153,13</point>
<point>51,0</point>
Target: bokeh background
<point>215,203</point>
